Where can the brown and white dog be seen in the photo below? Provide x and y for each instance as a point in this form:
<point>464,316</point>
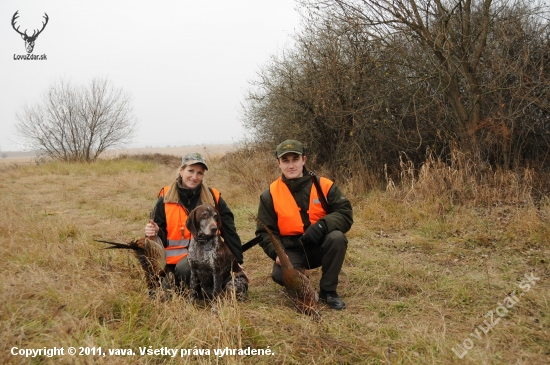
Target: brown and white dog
<point>214,269</point>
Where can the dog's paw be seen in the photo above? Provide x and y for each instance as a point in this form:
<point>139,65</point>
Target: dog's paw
<point>238,287</point>
<point>193,296</point>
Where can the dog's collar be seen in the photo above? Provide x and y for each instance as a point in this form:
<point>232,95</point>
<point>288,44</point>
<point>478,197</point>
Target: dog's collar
<point>202,240</point>
<point>205,242</point>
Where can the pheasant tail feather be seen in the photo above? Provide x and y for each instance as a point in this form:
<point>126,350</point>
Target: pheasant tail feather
<point>297,285</point>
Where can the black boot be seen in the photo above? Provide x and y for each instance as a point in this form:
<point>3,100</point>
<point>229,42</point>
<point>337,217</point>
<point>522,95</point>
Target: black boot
<point>332,299</point>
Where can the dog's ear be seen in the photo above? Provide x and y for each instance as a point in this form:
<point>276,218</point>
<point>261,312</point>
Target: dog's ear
<point>191,222</point>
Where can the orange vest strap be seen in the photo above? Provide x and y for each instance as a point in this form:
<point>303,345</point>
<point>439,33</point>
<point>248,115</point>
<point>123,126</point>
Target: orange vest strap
<point>163,190</point>
<point>316,210</point>
<point>216,194</point>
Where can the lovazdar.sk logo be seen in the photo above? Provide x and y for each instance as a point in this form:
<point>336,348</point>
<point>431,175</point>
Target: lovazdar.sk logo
<point>29,39</point>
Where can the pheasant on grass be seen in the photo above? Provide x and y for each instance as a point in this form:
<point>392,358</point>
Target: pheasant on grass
<point>297,285</point>
<point>151,256</point>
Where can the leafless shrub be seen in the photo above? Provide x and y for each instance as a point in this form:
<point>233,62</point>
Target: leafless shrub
<point>156,158</point>
<point>251,167</point>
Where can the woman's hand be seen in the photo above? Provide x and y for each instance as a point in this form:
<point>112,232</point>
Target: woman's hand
<point>151,229</point>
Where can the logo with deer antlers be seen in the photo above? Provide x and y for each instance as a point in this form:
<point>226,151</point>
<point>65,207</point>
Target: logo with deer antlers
<point>29,40</point>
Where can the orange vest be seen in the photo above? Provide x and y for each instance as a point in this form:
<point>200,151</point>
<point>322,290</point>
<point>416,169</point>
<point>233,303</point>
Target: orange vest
<point>288,213</point>
<point>176,216</point>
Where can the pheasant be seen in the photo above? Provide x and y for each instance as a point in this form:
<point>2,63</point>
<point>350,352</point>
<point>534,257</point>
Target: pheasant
<point>297,285</point>
<point>151,256</point>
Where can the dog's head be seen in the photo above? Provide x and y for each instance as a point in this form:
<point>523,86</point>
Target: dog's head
<point>202,221</point>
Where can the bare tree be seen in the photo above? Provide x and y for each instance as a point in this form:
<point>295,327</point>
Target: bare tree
<point>77,122</point>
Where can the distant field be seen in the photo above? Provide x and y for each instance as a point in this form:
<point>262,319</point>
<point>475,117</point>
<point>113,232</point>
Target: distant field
<point>214,150</point>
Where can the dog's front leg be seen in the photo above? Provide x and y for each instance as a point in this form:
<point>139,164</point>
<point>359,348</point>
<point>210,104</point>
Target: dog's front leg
<point>194,286</point>
<point>217,285</point>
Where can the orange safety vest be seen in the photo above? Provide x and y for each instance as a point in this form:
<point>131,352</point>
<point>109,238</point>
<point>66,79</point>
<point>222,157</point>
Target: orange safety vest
<point>176,216</point>
<point>288,213</point>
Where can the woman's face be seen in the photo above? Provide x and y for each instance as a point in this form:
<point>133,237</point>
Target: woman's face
<point>192,175</point>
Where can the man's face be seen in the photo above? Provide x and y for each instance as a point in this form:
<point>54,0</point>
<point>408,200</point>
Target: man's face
<point>292,165</point>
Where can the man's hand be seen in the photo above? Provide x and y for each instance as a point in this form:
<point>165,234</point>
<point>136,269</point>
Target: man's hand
<point>151,229</point>
<point>314,234</point>
<point>244,272</point>
<point>278,262</point>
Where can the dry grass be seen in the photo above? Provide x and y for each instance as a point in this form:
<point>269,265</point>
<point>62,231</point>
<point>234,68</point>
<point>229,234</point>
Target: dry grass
<point>427,260</point>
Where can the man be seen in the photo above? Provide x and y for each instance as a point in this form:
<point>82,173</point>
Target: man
<point>311,236</point>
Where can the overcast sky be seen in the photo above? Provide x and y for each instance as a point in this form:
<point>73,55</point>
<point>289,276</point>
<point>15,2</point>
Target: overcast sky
<point>186,63</point>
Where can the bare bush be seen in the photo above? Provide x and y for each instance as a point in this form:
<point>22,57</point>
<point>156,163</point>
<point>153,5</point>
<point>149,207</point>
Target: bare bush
<point>485,60</point>
<point>155,158</point>
<point>369,81</point>
<point>252,168</point>
<point>77,122</point>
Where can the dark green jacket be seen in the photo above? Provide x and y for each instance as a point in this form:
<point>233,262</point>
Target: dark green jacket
<point>340,218</point>
<point>189,201</point>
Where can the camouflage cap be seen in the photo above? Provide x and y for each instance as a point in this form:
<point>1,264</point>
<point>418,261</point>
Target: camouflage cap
<point>288,146</point>
<point>193,158</point>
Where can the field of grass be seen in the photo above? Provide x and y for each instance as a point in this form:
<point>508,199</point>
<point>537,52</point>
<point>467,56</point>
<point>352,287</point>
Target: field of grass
<point>442,268</point>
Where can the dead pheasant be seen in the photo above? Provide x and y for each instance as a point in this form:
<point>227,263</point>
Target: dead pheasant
<point>151,256</point>
<point>297,285</point>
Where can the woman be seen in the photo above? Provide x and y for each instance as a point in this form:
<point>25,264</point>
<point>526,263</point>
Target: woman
<point>170,214</point>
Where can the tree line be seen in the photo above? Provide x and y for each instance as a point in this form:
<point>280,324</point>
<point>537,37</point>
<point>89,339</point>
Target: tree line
<point>369,82</point>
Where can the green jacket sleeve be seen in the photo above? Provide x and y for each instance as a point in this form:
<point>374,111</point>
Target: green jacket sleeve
<point>340,217</point>
<point>266,214</point>
<point>160,220</point>
<point>229,231</point>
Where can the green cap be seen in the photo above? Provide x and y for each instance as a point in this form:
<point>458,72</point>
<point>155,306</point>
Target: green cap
<point>193,158</point>
<point>288,146</point>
